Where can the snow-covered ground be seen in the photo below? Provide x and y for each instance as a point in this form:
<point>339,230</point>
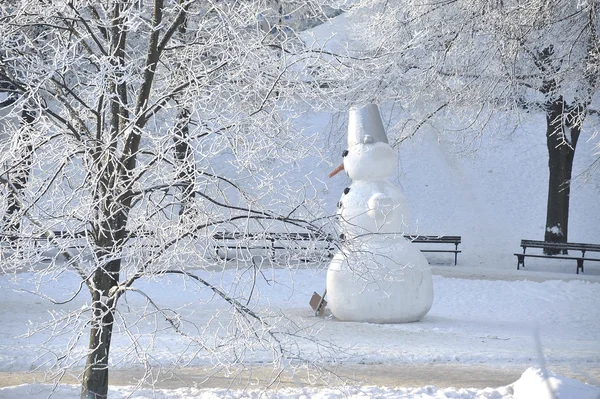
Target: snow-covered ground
<point>521,324</point>
<point>485,312</point>
<point>471,321</point>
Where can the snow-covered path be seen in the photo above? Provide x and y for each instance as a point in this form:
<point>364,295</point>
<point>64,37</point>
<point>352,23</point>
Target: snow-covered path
<point>361,381</point>
<point>407,375</point>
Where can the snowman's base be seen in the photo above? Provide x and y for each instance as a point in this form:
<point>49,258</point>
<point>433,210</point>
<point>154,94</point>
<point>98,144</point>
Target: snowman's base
<point>386,286</point>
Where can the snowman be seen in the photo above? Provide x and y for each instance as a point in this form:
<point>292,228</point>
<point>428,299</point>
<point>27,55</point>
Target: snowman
<point>378,275</point>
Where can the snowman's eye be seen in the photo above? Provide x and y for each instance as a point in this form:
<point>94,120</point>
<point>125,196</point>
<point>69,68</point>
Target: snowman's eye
<point>346,190</point>
<point>344,153</point>
<point>339,204</point>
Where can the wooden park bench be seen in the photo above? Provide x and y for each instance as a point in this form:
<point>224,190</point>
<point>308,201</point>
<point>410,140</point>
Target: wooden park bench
<point>438,240</point>
<point>560,246</point>
<point>273,242</point>
<point>38,239</point>
<point>319,243</point>
<point>76,240</point>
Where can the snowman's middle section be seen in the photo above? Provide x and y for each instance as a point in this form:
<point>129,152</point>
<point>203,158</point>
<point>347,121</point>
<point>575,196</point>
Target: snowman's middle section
<point>372,207</point>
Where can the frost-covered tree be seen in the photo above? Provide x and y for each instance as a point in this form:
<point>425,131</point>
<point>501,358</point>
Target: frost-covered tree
<point>20,171</point>
<point>151,125</point>
<point>470,63</point>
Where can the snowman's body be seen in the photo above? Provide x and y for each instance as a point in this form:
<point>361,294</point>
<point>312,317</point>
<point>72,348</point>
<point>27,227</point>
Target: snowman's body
<point>372,204</point>
<point>378,276</point>
<point>372,207</point>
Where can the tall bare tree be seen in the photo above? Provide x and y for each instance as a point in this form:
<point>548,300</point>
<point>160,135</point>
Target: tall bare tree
<point>477,62</point>
<point>116,87</point>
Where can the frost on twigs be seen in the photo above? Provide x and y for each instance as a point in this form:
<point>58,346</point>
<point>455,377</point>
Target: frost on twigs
<point>471,68</point>
<point>141,131</point>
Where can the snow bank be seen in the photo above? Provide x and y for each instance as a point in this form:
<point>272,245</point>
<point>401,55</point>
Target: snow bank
<point>534,384</point>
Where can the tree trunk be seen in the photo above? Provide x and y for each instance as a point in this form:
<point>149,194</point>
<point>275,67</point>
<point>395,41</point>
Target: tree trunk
<point>185,159</point>
<point>110,221</point>
<point>110,241</point>
<point>116,171</point>
<point>95,377</point>
<point>183,153</point>
<point>562,133</point>
<point>12,219</point>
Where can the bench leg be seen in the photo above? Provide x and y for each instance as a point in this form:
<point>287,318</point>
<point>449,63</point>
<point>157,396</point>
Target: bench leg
<point>455,254</point>
<point>579,265</point>
<point>217,253</point>
<point>273,253</point>
<point>520,261</point>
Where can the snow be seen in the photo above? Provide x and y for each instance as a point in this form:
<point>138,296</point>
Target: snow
<point>471,322</point>
<point>377,276</point>
<point>373,207</point>
<point>532,385</point>
<point>556,230</point>
<point>380,158</point>
<point>380,281</point>
<point>485,313</point>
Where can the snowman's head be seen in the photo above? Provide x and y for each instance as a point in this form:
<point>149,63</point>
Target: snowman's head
<point>371,161</point>
<point>369,156</point>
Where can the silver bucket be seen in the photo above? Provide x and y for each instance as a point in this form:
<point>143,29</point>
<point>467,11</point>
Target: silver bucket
<point>365,126</point>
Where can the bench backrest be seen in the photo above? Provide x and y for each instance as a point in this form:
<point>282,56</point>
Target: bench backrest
<point>303,236</point>
<point>577,246</point>
<point>442,239</point>
<point>223,235</point>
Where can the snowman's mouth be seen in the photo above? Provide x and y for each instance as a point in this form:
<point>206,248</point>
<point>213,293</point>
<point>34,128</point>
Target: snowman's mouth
<point>336,170</point>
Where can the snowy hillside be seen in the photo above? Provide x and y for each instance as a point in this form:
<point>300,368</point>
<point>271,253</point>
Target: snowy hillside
<point>489,189</point>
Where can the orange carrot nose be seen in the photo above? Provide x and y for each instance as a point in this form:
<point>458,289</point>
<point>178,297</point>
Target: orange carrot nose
<point>336,170</point>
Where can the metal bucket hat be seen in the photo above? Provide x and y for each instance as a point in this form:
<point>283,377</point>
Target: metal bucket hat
<point>365,126</point>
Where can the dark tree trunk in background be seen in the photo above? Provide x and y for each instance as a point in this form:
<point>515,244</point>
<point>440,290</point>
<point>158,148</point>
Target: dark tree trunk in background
<point>185,159</point>
<point>18,178</point>
<point>183,151</point>
<point>563,128</point>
